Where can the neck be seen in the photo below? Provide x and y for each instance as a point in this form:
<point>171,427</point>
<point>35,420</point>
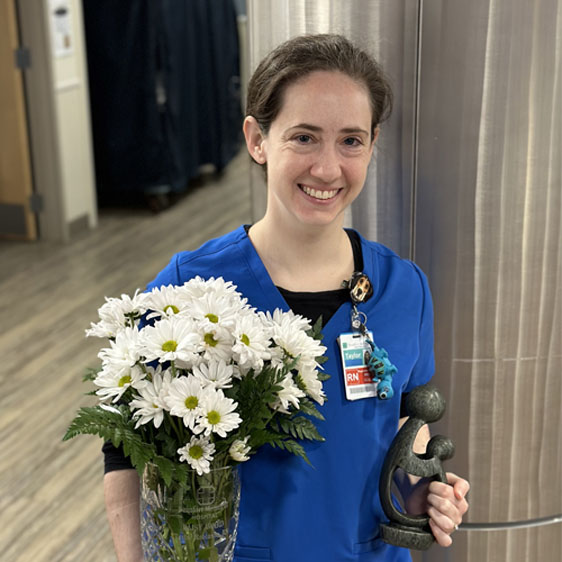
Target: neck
<point>303,257</point>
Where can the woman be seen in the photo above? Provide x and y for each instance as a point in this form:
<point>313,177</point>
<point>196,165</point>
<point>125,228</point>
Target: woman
<point>313,113</point>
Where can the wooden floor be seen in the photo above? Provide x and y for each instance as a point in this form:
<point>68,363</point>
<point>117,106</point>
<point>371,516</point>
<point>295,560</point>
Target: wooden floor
<point>51,501</point>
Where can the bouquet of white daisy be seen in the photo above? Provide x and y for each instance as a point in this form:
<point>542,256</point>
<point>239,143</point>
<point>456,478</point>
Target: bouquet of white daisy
<point>193,382</point>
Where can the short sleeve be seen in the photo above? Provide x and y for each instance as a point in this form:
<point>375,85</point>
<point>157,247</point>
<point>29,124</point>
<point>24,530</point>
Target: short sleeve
<point>168,276</point>
<point>114,458</point>
<point>424,367</point>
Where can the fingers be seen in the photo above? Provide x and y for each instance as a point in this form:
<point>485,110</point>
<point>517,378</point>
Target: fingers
<point>447,505</point>
<point>460,486</point>
<point>445,512</point>
<point>441,537</point>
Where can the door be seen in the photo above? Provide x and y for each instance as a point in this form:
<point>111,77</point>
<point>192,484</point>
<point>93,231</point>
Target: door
<point>17,221</point>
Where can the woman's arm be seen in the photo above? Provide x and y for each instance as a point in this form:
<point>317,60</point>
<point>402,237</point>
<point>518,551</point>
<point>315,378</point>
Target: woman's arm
<point>121,491</point>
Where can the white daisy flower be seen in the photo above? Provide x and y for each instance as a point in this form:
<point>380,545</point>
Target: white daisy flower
<point>166,301</point>
<point>308,376</point>
<point>216,374</point>
<point>288,320</point>
<point>114,383</point>
<point>197,287</point>
<point>124,350</point>
<point>214,310</point>
<point>252,341</point>
<point>289,394</point>
<point>198,453</point>
<point>214,342</point>
<point>217,413</point>
<point>170,339</point>
<point>117,314</point>
<point>288,335</point>
<point>183,399</point>
<point>150,405</point>
<point>297,344</point>
<point>239,450</point>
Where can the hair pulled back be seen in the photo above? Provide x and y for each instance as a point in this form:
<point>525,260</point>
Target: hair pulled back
<point>304,54</point>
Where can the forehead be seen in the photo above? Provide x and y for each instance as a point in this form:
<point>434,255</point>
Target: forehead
<point>324,94</point>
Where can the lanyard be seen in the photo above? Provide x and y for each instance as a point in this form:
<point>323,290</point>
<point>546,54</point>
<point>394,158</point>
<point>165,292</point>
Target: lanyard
<point>376,358</point>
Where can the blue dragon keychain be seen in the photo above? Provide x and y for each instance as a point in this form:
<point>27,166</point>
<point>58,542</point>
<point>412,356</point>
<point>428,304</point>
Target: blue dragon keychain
<point>380,368</point>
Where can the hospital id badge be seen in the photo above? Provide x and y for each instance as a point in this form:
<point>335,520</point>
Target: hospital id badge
<point>356,376</point>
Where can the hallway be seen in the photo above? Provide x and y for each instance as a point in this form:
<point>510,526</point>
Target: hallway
<point>51,496</point>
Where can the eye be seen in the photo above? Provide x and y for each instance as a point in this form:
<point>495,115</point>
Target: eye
<point>303,139</point>
<point>352,141</point>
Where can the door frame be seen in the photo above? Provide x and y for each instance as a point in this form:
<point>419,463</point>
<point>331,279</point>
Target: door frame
<point>41,113</point>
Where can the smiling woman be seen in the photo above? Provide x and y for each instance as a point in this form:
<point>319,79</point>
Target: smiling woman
<point>314,109</point>
<point>317,151</point>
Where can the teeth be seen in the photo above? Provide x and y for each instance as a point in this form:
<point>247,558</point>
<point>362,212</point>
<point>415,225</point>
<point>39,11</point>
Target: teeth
<point>319,194</point>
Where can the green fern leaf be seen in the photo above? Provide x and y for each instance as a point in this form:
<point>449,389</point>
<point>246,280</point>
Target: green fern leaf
<point>306,406</point>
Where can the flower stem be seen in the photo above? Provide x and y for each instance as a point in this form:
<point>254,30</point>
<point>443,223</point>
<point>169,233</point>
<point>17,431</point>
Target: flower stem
<point>177,428</point>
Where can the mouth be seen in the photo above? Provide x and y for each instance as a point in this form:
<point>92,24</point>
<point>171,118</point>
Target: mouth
<point>319,194</point>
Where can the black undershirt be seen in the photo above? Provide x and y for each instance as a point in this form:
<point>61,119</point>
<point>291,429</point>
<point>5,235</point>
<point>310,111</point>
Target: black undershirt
<point>309,305</point>
<point>324,303</point>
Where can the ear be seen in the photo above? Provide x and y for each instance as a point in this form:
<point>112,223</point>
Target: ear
<point>375,137</point>
<point>255,139</point>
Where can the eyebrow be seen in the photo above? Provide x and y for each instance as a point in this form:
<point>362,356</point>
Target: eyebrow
<point>316,129</point>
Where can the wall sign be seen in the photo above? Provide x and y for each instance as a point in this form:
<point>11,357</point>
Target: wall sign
<point>61,28</point>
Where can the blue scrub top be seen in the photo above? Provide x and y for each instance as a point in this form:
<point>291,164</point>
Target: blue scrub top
<point>330,511</point>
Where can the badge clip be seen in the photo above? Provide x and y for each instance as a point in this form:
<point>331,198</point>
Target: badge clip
<point>373,377</point>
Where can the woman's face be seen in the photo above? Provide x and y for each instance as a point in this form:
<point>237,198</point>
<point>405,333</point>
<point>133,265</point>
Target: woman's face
<point>317,150</point>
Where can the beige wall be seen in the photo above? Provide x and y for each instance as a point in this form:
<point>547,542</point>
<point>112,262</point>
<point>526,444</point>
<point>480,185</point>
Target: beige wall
<point>70,84</point>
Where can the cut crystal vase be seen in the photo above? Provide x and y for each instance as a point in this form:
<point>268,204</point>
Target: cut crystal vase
<point>192,521</point>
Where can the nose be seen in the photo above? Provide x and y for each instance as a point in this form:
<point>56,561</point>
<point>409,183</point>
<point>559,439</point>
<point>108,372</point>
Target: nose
<point>326,166</point>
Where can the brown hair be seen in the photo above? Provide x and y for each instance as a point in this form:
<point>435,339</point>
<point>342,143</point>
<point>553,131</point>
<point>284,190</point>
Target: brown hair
<point>302,55</point>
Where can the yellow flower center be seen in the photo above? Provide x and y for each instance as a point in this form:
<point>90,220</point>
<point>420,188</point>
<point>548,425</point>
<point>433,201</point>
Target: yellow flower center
<point>169,345</point>
<point>191,402</point>
<point>196,452</point>
<point>171,307</point>
<point>210,340</point>
<point>126,379</point>
<point>212,317</point>
<point>213,417</point>
<point>245,339</point>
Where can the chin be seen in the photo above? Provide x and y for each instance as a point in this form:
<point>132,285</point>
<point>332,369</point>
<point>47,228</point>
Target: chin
<point>321,219</point>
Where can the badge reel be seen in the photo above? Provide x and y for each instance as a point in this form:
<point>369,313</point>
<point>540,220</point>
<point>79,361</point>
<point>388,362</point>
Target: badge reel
<point>367,369</point>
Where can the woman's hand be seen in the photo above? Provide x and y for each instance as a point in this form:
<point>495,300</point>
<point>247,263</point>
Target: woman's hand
<point>446,506</point>
<point>444,503</point>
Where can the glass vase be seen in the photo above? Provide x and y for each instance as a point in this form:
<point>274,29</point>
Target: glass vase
<point>193,521</point>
